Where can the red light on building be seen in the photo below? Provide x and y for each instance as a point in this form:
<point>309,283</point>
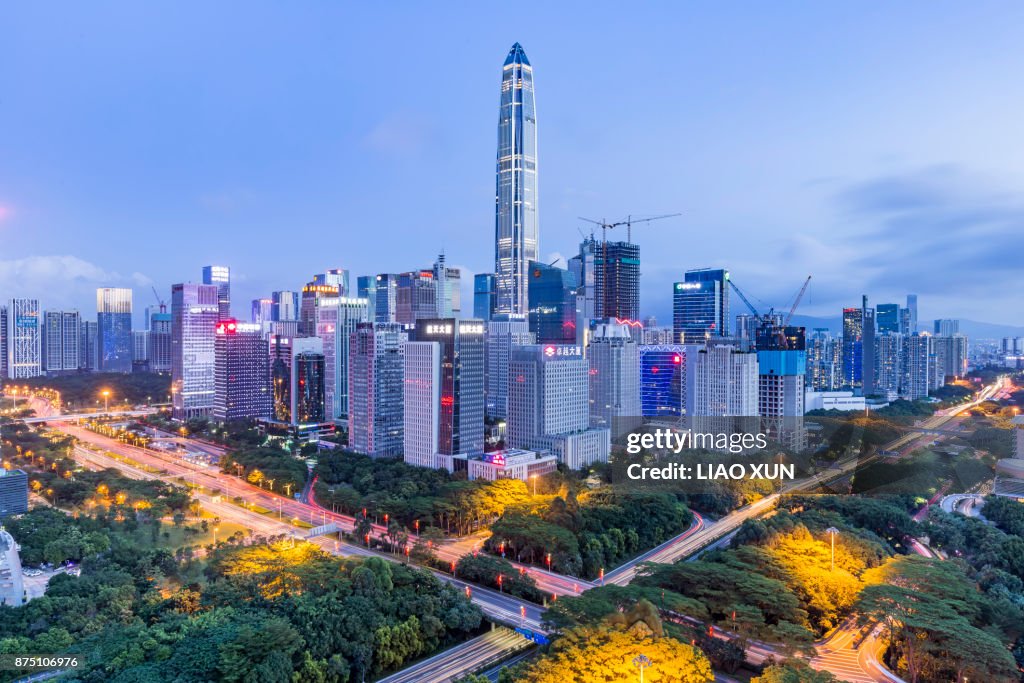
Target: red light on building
<point>549,351</point>
<point>227,327</point>
<point>447,401</point>
<point>677,359</point>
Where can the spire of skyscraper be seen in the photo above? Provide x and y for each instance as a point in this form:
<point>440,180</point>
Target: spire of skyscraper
<point>515,224</point>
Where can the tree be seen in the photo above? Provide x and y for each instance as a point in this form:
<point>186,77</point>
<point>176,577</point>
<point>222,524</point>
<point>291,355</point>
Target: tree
<point>793,671</point>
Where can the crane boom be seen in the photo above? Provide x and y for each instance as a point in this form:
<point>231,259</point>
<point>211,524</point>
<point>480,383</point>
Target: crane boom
<point>796,303</point>
<point>745,300</point>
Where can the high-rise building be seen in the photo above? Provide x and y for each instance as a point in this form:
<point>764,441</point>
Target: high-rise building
<point>114,329</point>
<point>726,382</point>
<point>700,305</point>
<point>504,333</point>
<point>62,341</point>
<point>140,350</point>
<point>262,312</point>
<point>515,225</point>
<point>947,327</point>
<point>308,379</point>
<point>950,356</point>
<point>781,376</point>
<point>444,380</point>
<point>242,376</point>
<point>867,372</point>
<point>194,314</point>
<point>366,288</point>
<point>281,376</point>
<point>912,312</point>
<point>548,404</point>
<point>448,286</point>
<point>889,365</point>
<point>551,297</point>
<point>376,394</point>
<point>614,358</point>
<point>617,280</point>
<point>853,347</point>
<point>919,366</point>
<point>416,297</point>
<point>349,313</point>
<point>159,342</point>
<point>220,276</point>
<point>663,379</point>
<point>824,361</point>
<point>284,306</point>
<point>386,309</point>
<point>3,342</point>
<point>88,353</point>
<point>887,318</point>
<point>483,296</point>
<point>24,339</point>
<point>309,303</point>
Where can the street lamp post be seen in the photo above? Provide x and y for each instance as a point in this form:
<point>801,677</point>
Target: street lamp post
<point>534,478</point>
<point>832,531</point>
<point>106,401</point>
<point>641,662</point>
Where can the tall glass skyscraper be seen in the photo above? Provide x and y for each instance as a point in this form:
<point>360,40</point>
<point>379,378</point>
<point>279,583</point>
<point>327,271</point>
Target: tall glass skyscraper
<point>114,329</point>
<point>515,225</point>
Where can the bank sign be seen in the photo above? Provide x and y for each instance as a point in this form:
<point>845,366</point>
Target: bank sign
<point>553,351</point>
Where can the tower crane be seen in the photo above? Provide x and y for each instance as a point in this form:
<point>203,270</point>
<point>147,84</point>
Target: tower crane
<point>163,304</point>
<point>796,302</point>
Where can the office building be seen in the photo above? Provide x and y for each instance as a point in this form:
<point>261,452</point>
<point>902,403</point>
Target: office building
<point>114,329</point>
<point>483,296</point>
<point>726,382</point>
<point>3,342</point>
<point>448,287</point>
<point>284,306</point>
<point>950,356</point>
<point>947,327</point>
<point>194,314</point>
<point>386,308</point>
<point>307,383</point>
<point>843,401</point>
<point>504,333</point>
<point>416,297</point>
<point>617,280</point>
<point>614,358</point>
<point>889,365</point>
<point>887,318</point>
<point>13,492</point>
<point>24,339</point>
<point>88,354</point>
<point>663,379</point>
<point>551,297</point>
<point>444,379</point>
<point>366,288</point>
<point>262,313</point>
<point>159,353</point>
<point>350,312</point>
<point>220,277</point>
<point>853,347</point>
<point>62,342</point>
<point>140,350</point>
<point>515,225</point>
<point>700,305</point>
<point>919,367</point>
<point>912,313</point>
<point>548,404</point>
<point>781,376</point>
<point>309,303</point>
<point>242,376</point>
<point>511,463</point>
<point>867,347</point>
<point>376,395</point>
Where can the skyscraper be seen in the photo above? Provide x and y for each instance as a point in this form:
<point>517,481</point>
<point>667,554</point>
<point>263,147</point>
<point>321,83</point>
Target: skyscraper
<point>308,379</point>
<point>351,311</point>
<point>284,306</point>
<point>663,379</point>
<point>242,382</point>
<point>416,297</point>
<point>449,289</point>
<point>62,341</point>
<point>888,318</point>
<point>3,342</point>
<point>160,342</point>
<point>194,314</point>
<point>548,404</point>
<point>483,296</point>
<point>262,312</point>
<point>88,356</point>
<point>853,347</point>
<point>515,225</point>
<point>947,327</point>
<point>614,358</point>
<point>824,361</point>
<point>551,297</point>
<point>24,339</point>
<point>386,299</point>
<point>726,382</point>
<point>867,372</point>
<point>615,278</point>
<point>700,305</point>
<point>376,393</point>
<point>504,333</point>
<point>220,276</point>
<point>912,308</point>
<point>114,329</point>
<point>444,380</point>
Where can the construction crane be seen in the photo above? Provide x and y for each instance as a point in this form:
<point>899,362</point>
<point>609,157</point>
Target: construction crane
<point>796,302</point>
<point>163,304</point>
<point>605,227</point>
<point>760,318</point>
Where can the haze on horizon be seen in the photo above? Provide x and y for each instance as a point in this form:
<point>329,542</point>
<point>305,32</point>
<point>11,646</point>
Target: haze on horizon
<point>877,148</point>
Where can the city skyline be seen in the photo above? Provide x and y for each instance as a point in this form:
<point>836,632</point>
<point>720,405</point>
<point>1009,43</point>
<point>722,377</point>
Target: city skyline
<point>132,181</point>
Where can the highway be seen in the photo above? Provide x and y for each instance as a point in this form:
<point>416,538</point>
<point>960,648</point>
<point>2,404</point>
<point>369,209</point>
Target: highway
<point>456,662</point>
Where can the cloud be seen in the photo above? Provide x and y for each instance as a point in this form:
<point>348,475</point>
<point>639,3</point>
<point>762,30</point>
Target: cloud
<point>60,280</point>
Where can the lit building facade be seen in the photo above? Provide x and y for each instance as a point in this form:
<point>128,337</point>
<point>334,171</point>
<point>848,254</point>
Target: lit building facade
<point>551,296</point>
<point>376,396</point>
<point>504,333</point>
<point>160,342</point>
<point>614,373</point>
<point>62,341</point>
<point>194,315</point>
<point>700,305</point>
<point>483,296</point>
<point>242,379</point>
<point>726,382</point>
<point>24,339</point>
<point>220,277</point>
<point>114,329</point>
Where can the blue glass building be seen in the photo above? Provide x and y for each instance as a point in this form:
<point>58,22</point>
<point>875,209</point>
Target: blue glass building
<point>551,295</point>
<point>662,377</point>
<point>114,329</point>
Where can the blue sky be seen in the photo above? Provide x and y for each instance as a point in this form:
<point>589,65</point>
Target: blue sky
<point>876,146</point>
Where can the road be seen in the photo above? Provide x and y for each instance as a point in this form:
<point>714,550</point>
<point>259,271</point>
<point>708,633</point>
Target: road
<point>469,656</point>
<point>964,503</point>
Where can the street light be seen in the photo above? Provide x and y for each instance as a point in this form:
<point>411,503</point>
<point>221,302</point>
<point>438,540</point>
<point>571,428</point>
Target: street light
<point>832,531</point>
<point>641,662</point>
<point>106,400</point>
<point>534,478</point>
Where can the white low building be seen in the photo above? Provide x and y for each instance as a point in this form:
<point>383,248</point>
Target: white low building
<point>833,400</point>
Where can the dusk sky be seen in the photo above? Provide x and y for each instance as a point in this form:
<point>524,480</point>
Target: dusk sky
<point>876,146</point>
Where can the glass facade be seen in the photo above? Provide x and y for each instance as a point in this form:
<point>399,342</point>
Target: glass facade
<point>552,304</point>
<point>662,380</point>
<point>114,329</point>
<point>516,184</point>
<point>483,295</point>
